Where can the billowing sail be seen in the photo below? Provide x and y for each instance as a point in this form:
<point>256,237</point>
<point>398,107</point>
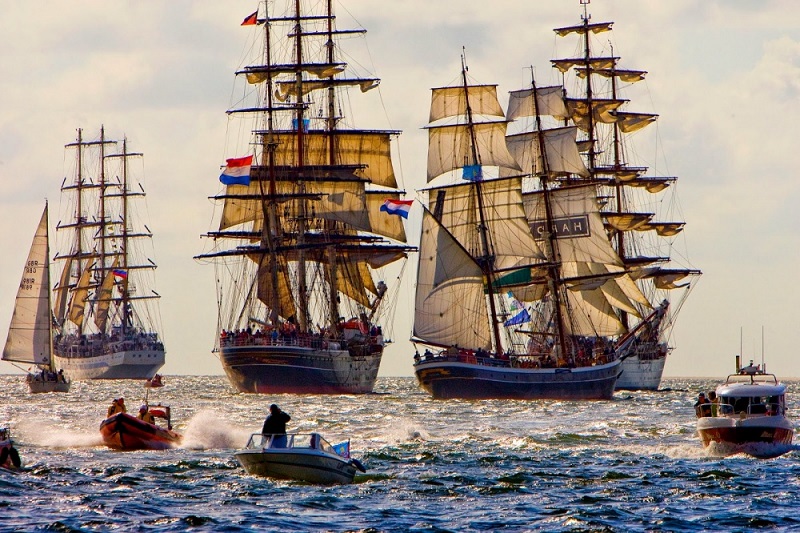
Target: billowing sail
<point>77,305</point>
<point>29,334</point>
<point>450,307</point>
<point>457,210</point>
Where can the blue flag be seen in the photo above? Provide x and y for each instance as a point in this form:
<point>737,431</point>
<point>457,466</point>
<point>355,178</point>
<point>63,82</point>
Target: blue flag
<point>472,172</point>
<point>520,318</point>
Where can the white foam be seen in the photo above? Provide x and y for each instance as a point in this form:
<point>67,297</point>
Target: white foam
<point>208,430</point>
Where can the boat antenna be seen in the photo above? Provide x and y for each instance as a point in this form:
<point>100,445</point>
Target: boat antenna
<point>585,4</point>
<point>763,364</point>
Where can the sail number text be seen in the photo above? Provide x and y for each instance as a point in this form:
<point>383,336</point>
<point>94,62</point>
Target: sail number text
<point>30,268</point>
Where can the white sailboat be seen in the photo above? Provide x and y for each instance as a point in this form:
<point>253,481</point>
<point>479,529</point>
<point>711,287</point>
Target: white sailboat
<point>30,335</point>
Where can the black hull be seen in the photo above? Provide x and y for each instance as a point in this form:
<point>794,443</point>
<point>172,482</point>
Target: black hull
<point>300,370</point>
<point>449,380</point>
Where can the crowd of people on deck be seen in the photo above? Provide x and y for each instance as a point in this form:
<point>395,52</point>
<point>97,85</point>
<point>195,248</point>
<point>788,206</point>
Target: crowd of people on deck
<point>74,345</point>
<point>586,352</point>
<point>287,334</point>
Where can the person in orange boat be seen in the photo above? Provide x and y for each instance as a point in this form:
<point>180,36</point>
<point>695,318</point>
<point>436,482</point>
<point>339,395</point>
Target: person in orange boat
<point>117,406</point>
<point>145,416</point>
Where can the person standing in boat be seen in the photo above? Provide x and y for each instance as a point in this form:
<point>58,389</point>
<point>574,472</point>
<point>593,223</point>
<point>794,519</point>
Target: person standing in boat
<point>117,406</point>
<point>275,424</point>
<point>145,416</point>
<point>701,406</point>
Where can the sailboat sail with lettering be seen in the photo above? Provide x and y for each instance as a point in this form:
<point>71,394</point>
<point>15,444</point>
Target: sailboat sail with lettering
<point>30,334</point>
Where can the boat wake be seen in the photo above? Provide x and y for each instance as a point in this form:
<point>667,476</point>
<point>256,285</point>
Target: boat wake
<point>208,430</point>
<point>40,434</point>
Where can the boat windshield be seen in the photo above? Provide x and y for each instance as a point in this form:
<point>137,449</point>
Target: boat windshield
<point>752,405</point>
<point>313,441</point>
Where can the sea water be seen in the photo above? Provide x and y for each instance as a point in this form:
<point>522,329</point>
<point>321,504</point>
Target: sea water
<point>633,463</point>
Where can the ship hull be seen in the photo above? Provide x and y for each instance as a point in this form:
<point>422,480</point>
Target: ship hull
<point>299,370</point>
<point>39,387</point>
<point>451,379</point>
<point>761,436</point>
<point>128,364</point>
<point>641,374</point>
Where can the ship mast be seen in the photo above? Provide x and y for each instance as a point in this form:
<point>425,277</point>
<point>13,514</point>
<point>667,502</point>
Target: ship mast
<point>302,309</point>
<point>486,261</point>
<point>554,277</point>
<point>587,62</point>
<point>270,232</point>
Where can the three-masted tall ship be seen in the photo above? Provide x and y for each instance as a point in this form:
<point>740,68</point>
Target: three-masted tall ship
<point>309,231</point>
<point>104,305</point>
<point>639,210</point>
<point>504,295</point>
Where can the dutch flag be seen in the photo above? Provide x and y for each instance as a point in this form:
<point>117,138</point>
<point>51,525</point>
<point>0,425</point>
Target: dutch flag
<point>237,171</point>
<point>397,207</point>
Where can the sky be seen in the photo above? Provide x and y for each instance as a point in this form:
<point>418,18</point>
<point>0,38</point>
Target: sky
<point>723,75</point>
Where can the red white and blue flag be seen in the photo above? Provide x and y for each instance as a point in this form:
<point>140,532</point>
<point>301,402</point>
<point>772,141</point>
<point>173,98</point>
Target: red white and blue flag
<point>397,207</point>
<point>251,20</point>
<point>120,273</point>
<point>237,171</point>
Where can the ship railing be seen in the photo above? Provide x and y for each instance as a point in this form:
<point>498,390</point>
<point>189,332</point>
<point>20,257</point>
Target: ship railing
<point>308,441</point>
<point>304,341</point>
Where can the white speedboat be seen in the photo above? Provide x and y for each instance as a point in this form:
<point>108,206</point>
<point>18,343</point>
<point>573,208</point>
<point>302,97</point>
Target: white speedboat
<point>299,456</point>
<point>750,417</point>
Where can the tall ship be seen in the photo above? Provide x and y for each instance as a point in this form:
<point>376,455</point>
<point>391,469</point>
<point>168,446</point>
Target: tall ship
<point>30,334</point>
<point>508,299</point>
<point>104,303</point>
<point>310,241</point>
<point>639,209</point>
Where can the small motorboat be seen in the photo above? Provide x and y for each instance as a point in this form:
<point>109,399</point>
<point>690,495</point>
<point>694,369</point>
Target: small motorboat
<point>750,416</point>
<point>154,382</point>
<point>299,456</point>
<point>123,431</point>
<point>9,456</point>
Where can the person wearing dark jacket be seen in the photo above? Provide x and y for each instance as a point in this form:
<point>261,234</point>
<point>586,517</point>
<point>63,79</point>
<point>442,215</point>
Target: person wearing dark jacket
<point>275,424</point>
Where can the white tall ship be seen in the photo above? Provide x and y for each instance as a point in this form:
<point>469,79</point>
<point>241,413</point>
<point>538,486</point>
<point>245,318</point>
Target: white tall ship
<point>639,208</point>
<point>105,308</point>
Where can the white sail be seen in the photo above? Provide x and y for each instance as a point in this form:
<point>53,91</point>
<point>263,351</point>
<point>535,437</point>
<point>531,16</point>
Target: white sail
<point>28,338</point>
<point>561,150</point>
<point>452,102</point>
<point>450,305</point>
<point>450,147</point>
<point>549,101</point>
<point>512,243</point>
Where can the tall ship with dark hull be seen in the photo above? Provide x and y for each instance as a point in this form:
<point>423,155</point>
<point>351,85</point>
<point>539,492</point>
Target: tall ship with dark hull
<point>639,208</point>
<point>310,236</point>
<point>509,301</point>
<point>105,306</point>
